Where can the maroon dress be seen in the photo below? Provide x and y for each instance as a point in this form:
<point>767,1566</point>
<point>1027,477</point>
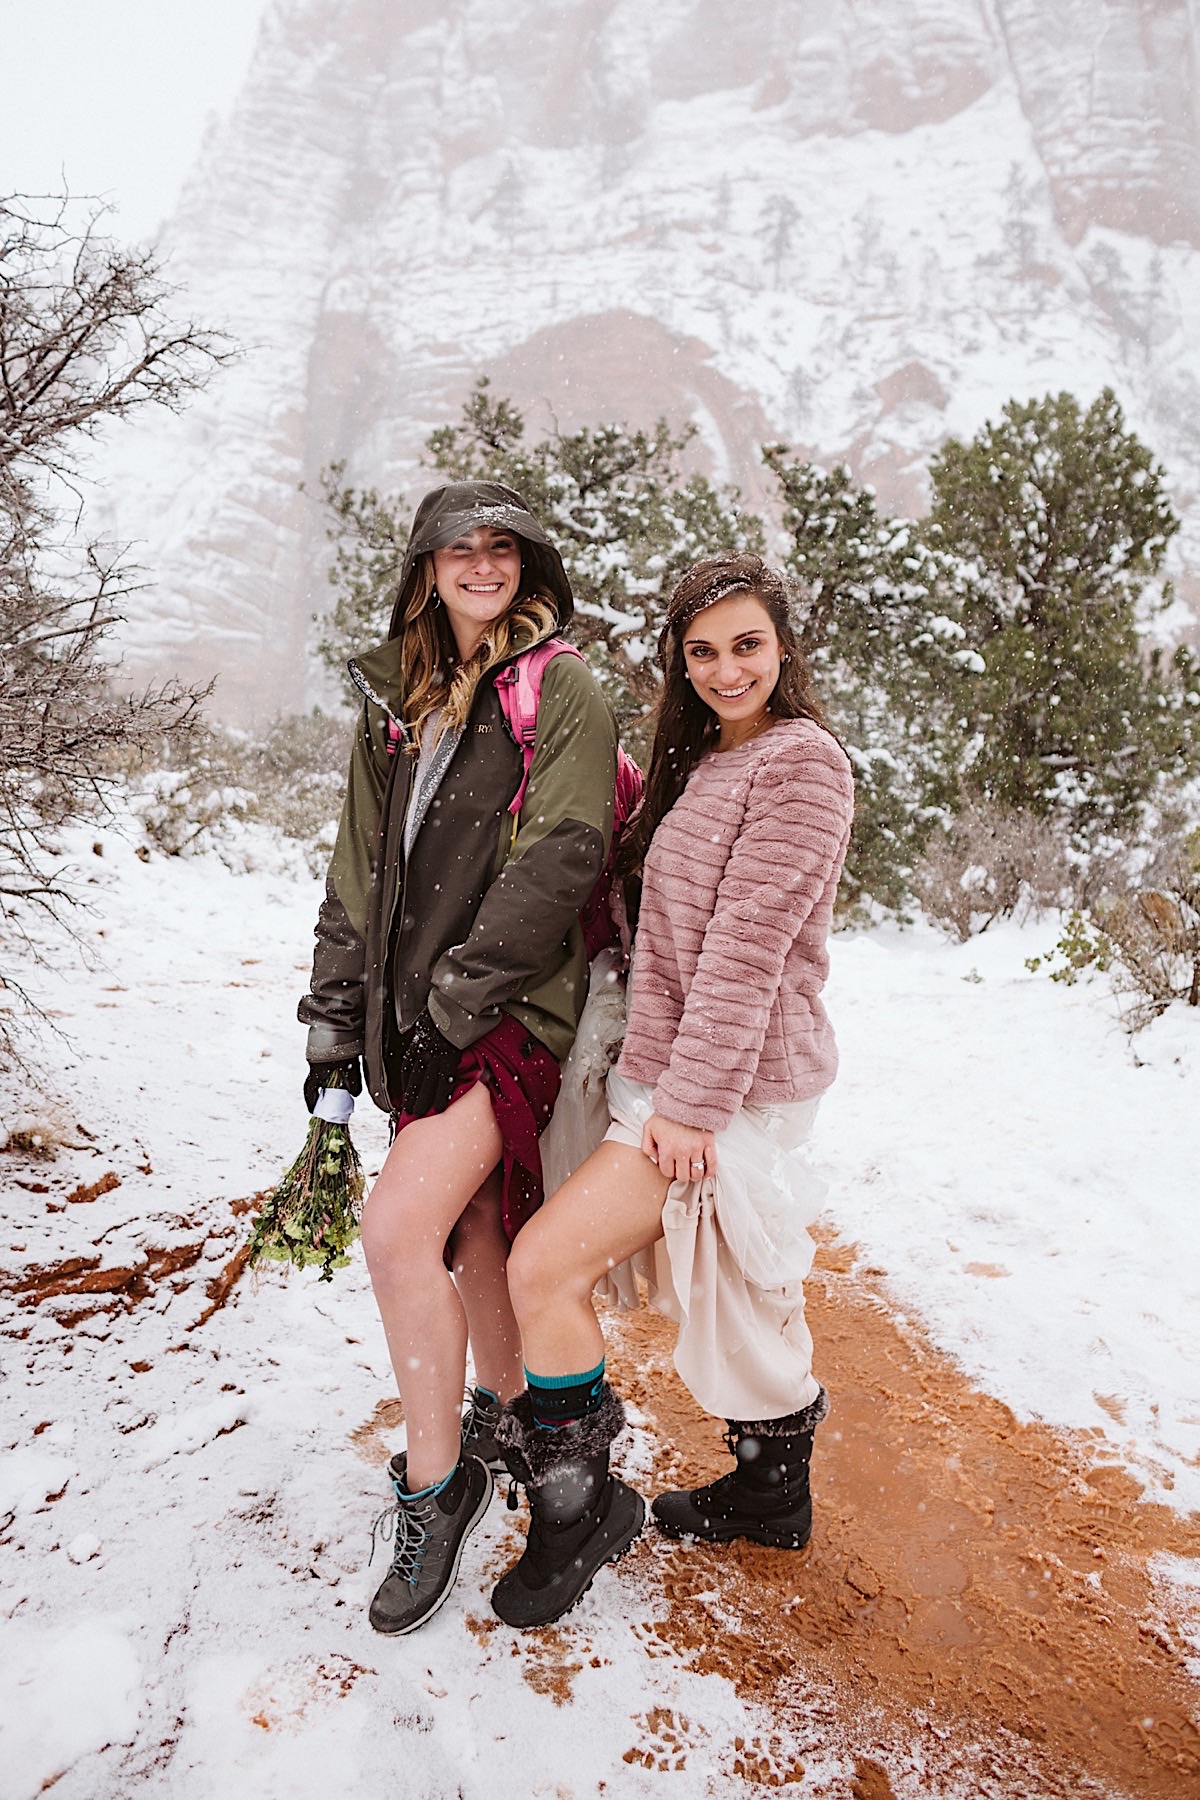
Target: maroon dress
<point>523,1080</point>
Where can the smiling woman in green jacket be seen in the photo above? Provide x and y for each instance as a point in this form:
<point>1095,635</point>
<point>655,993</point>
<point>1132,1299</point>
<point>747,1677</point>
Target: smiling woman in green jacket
<point>450,962</point>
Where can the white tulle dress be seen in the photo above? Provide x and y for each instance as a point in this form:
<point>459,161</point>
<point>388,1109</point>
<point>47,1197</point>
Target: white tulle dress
<point>735,1250</point>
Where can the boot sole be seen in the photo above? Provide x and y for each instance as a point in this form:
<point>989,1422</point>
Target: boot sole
<point>761,1534</point>
<point>416,1624</point>
<point>614,1542</point>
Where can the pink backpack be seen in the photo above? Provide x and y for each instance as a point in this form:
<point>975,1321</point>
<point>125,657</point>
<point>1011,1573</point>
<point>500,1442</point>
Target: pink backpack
<point>519,686</point>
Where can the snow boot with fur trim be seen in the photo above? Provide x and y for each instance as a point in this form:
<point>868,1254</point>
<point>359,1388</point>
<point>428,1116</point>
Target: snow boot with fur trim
<point>766,1499</point>
<point>580,1516</point>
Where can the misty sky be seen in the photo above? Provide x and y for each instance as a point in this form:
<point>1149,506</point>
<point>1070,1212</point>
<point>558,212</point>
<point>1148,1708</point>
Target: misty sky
<point>117,94</point>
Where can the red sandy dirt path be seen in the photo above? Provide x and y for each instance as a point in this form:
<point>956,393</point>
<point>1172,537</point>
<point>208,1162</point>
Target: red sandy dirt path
<point>976,1614</point>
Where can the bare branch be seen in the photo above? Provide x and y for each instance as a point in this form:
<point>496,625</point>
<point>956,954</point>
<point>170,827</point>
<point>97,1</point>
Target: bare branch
<point>85,336</point>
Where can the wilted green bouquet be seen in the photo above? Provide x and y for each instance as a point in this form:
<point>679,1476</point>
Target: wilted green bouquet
<point>312,1216</point>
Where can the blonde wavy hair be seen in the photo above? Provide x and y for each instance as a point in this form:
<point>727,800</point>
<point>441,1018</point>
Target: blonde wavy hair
<point>431,678</point>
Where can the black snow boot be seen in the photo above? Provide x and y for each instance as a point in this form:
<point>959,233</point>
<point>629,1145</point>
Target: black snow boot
<point>478,1435</point>
<point>766,1499</point>
<point>580,1516</point>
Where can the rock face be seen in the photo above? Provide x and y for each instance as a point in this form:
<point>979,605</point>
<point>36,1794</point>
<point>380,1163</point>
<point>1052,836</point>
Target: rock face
<point>857,226</point>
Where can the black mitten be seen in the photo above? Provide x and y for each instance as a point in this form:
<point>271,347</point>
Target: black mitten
<point>427,1069</point>
<point>322,1075</point>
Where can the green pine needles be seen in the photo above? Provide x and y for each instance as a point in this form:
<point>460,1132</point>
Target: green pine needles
<point>312,1216</point>
<point>993,658</point>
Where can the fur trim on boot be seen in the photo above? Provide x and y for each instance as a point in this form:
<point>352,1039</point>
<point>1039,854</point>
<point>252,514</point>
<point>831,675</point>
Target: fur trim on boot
<point>580,1515</point>
<point>791,1425</point>
<point>532,1453</point>
<point>767,1497</point>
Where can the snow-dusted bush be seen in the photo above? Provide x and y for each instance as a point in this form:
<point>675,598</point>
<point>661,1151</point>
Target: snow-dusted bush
<point>987,863</point>
<point>291,779</point>
<point>879,613</point>
<point>1060,520</point>
<point>39,1134</point>
<point>1146,937</point>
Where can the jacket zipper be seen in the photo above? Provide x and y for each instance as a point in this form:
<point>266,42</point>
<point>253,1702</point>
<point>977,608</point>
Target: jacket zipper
<point>364,687</point>
<point>390,1020</point>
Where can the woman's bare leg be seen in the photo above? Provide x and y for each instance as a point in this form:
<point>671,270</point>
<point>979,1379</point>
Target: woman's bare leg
<point>432,1171</point>
<point>609,1208</point>
<point>479,1252</point>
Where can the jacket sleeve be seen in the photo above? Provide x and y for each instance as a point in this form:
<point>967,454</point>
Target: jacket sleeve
<point>334,1009</point>
<point>561,845</point>
<point>792,842</point>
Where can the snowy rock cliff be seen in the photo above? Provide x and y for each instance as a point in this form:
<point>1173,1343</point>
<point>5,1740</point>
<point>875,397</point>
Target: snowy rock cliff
<point>853,225</point>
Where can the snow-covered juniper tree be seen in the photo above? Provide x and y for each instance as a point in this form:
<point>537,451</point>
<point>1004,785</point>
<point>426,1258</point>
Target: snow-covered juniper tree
<point>877,604</point>
<point>86,336</point>
<point>880,611</point>
<point>988,655</point>
<point>1062,519</point>
<point>626,517</point>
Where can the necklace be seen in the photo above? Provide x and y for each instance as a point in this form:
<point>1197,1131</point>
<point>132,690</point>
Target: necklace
<point>755,731</point>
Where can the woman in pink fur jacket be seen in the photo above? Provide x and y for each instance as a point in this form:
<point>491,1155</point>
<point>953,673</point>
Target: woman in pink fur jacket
<point>700,1186</point>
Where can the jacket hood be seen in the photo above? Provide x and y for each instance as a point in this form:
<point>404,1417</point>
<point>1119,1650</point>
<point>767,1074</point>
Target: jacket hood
<point>447,512</point>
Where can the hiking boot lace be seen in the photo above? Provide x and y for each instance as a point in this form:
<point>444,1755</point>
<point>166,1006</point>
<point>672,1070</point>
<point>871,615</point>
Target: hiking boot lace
<point>472,1418</point>
<point>481,1415</point>
<point>406,1524</point>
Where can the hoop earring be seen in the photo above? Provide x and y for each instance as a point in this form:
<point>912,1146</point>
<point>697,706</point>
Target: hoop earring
<point>435,601</point>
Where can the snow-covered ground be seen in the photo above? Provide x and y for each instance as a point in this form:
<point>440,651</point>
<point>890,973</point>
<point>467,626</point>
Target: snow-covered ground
<point>1027,1176</point>
<point>184,1574</point>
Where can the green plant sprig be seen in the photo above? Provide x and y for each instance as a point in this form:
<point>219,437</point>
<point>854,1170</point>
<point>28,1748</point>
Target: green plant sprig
<point>313,1214</point>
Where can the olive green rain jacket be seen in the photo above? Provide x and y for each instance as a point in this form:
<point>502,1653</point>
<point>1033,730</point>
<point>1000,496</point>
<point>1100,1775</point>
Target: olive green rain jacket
<point>482,917</point>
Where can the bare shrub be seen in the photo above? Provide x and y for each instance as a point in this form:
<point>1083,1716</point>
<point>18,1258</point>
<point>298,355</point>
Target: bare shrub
<point>1147,937</point>
<point>989,863</point>
<point>87,335</point>
<point>292,779</point>
<point>37,1136</point>
<point>1155,935</point>
<point>1108,867</point>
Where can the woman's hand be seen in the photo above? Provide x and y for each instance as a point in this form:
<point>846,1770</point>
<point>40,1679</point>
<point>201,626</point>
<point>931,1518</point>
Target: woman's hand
<point>347,1074</point>
<point>427,1069</point>
<point>682,1152</point>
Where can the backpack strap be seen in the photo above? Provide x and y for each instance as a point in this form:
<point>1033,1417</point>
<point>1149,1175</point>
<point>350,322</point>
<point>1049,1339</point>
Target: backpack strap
<point>627,798</point>
<point>519,685</point>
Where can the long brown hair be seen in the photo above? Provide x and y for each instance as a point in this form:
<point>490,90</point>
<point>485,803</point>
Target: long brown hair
<point>684,727</point>
<point>431,671</point>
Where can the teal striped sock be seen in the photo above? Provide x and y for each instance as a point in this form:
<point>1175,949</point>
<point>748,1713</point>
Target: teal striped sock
<point>559,1400</point>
